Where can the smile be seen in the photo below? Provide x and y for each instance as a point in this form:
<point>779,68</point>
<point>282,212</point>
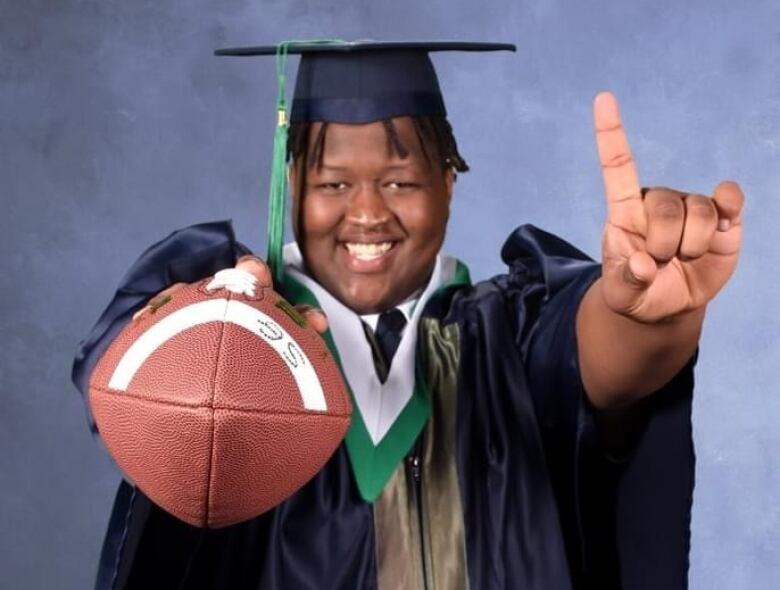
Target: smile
<point>368,251</point>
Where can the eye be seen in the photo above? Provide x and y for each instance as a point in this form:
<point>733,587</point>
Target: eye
<point>332,187</point>
<point>401,185</point>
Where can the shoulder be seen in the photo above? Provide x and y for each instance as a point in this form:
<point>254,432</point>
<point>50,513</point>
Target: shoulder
<point>534,256</point>
<point>540,265</point>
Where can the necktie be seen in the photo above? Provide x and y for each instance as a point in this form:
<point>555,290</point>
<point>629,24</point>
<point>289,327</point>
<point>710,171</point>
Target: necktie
<point>386,339</point>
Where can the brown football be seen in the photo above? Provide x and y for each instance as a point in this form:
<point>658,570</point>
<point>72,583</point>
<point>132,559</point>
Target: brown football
<point>221,403</point>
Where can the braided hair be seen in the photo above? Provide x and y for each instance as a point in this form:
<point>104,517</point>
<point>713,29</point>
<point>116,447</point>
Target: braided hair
<point>433,132</point>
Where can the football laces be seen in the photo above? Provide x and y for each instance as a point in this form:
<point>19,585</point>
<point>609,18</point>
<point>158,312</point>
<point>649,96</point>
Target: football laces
<point>234,280</point>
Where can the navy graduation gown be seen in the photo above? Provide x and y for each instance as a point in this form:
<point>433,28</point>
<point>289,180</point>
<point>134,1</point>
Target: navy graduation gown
<point>541,505</point>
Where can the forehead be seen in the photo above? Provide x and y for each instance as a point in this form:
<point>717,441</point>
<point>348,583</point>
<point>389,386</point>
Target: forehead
<point>353,141</point>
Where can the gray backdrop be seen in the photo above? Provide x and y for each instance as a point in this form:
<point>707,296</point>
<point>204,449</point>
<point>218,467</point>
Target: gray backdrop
<point>118,126</point>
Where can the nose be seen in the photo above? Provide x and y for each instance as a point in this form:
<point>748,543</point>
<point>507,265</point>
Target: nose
<point>367,206</point>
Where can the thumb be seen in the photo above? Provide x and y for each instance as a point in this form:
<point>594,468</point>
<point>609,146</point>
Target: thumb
<point>626,282</point>
<point>640,270</point>
<point>316,317</point>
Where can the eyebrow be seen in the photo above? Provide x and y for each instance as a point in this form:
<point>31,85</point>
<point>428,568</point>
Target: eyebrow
<point>392,168</point>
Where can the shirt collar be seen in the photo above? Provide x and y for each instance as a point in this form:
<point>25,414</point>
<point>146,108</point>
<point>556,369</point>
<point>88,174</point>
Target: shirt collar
<point>406,308</point>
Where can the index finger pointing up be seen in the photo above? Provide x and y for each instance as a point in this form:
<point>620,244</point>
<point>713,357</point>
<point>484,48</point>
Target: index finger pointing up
<point>621,181</point>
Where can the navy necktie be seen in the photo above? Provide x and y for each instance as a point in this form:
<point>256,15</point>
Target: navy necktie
<point>387,337</point>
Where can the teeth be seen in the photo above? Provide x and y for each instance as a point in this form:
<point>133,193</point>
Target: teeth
<point>368,251</point>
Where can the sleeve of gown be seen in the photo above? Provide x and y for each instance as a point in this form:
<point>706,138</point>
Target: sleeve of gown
<point>186,255</point>
<point>144,546</point>
<point>625,524</point>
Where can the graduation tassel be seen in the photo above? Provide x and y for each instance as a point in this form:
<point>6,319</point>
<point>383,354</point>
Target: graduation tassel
<point>278,190</point>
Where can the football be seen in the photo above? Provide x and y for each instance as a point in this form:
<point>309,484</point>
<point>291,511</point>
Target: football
<point>221,402</point>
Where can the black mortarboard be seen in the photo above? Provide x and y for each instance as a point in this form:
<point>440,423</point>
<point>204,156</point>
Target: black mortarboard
<point>348,82</point>
<point>365,81</point>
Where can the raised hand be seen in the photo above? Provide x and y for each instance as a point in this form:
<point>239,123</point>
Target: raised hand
<point>258,269</point>
<point>664,251</point>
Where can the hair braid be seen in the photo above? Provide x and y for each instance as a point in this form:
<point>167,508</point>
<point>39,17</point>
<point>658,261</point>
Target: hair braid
<point>433,131</point>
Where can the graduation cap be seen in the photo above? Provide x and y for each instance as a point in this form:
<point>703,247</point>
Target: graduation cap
<point>348,82</point>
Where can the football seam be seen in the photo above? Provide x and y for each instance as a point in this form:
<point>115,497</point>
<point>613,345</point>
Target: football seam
<point>212,446</point>
<point>212,406</point>
<point>193,517</point>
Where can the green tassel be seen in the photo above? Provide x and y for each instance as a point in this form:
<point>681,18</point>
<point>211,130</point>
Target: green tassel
<point>278,190</point>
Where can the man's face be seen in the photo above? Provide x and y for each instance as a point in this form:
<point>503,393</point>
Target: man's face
<point>372,222</point>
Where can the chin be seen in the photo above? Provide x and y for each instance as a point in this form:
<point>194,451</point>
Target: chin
<point>362,299</point>
<point>365,307</point>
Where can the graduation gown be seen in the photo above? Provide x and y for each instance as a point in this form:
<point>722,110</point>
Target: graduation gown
<point>507,487</point>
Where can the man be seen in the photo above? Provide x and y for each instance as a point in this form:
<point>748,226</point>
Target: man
<point>530,431</point>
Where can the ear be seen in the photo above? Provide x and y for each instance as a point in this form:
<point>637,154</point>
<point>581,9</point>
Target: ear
<point>449,183</point>
<point>294,184</point>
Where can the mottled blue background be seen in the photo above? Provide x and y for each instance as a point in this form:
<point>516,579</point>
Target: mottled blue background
<point>118,126</point>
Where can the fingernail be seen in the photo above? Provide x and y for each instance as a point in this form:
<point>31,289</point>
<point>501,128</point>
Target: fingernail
<point>158,302</point>
<point>724,225</point>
